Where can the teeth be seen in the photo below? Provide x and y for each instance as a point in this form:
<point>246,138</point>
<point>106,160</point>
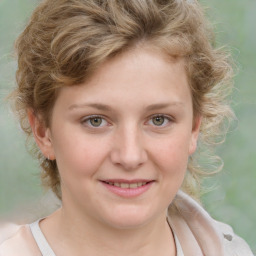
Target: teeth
<point>134,185</point>
<point>127,185</point>
<point>124,185</point>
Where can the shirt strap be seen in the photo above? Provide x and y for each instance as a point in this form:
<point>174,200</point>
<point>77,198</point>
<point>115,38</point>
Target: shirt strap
<point>40,239</point>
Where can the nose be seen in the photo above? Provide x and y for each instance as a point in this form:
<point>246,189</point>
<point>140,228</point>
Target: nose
<point>128,150</point>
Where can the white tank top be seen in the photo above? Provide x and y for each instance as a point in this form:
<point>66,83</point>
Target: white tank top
<point>46,250</point>
<point>40,239</point>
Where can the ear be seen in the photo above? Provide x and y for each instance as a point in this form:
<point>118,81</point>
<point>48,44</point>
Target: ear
<point>42,135</point>
<point>195,134</point>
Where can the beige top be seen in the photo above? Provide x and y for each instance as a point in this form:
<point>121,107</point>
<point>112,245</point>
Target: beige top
<point>195,232</point>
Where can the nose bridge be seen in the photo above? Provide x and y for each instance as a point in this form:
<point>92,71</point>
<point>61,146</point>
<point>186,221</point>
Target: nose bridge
<point>129,149</point>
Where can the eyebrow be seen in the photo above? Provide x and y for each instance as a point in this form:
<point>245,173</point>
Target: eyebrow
<point>163,105</point>
<point>104,107</point>
<point>99,106</point>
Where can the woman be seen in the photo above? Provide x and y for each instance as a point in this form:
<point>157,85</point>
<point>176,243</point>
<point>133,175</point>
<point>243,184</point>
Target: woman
<point>117,95</point>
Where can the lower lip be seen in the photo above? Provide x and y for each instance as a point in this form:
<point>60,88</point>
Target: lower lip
<point>128,192</point>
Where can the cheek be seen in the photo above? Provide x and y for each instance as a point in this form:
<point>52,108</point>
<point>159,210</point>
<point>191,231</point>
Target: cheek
<point>172,154</point>
<point>78,155</point>
<point>171,160</point>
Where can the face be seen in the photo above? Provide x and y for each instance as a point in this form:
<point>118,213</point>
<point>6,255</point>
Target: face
<point>122,139</point>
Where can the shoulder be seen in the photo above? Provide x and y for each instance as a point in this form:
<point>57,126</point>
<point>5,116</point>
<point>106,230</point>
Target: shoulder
<point>21,243</point>
<point>7,229</point>
<point>212,237</point>
<point>233,244</point>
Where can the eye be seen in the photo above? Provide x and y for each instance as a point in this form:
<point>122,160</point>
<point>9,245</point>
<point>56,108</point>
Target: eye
<point>94,121</point>
<point>160,120</point>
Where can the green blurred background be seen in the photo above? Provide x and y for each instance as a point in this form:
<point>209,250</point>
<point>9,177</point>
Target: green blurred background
<point>233,192</point>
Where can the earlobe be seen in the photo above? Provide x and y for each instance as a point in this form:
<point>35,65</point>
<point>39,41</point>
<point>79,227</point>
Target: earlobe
<point>195,134</point>
<point>42,135</point>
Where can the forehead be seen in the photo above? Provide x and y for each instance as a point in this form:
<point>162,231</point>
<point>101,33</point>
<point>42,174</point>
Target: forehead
<point>139,76</point>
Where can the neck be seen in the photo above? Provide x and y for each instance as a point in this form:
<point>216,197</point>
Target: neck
<point>80,235</point>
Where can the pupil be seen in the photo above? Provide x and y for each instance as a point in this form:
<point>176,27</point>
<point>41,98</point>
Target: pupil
<point>96,121</point>
<point>159,120</point>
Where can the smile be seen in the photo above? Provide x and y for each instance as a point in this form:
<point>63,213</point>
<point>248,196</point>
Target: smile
<point>128,189</point>
<point>127,185</point>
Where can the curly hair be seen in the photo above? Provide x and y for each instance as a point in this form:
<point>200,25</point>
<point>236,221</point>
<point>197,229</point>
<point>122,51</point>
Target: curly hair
<point>65,41</point>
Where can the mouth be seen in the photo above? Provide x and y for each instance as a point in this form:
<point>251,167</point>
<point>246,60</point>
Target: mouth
<point>129,185</point>
<point>128,188</point>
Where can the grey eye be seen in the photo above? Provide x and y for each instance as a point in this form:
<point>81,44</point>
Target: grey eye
<point>95,121</point>
<point>158,120</point>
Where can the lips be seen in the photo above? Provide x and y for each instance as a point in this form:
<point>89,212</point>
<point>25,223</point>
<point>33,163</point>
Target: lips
<point>130,185</point>
<point>127,188</point>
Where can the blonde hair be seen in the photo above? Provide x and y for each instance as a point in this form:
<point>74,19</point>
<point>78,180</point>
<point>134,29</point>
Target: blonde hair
<point>65,41</point>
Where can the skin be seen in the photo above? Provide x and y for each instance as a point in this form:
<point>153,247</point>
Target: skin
<point>144,107</point>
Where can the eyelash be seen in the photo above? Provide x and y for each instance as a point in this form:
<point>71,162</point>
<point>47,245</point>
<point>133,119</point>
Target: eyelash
<point>90,118</point>
<point>167,120</point>
<point>86,121</point>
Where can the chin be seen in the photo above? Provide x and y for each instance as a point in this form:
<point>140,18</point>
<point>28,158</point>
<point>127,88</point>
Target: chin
<point>129,218</point>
